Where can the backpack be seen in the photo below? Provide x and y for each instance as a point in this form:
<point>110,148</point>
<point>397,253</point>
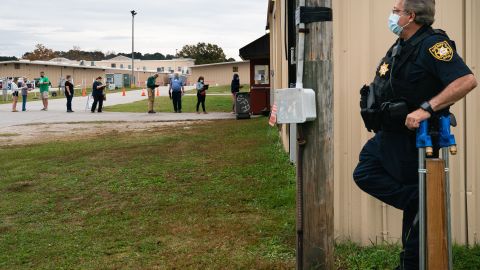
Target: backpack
<point>176,85</point>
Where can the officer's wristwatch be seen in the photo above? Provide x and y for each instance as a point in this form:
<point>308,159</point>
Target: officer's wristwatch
<point>427,107</point>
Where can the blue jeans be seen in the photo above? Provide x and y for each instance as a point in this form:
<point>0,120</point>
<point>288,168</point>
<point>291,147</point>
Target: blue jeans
<point>24,102</point>
<point>69,100</point>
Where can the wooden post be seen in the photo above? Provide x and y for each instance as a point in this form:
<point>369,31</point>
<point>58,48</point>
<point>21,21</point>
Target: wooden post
<point>318,157</point>
<point>437,251</point>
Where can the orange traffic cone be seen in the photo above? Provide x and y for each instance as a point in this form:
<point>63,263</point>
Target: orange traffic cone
<point>143,92</point>
<point>123,92</point>
<point>158,92</point>
<point>84,92</point>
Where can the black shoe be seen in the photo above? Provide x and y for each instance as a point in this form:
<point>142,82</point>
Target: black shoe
<point>92,111</point>
<point>152,112</point>
<point>179,111</point>
<point>70,111</point>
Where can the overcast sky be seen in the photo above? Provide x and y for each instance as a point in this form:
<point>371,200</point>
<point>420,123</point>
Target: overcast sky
<point>106,25</point>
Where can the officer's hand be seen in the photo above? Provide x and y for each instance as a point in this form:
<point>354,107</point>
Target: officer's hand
<point>413,119</point>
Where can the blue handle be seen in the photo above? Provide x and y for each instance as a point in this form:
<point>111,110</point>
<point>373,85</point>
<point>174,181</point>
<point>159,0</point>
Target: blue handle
<point>446,139</point>
<point>423,139</point>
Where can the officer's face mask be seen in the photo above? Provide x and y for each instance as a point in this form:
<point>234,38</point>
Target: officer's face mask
<point>393,24</point>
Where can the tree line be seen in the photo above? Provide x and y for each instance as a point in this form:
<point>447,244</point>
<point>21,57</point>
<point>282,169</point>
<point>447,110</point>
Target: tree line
<point>203,53</point>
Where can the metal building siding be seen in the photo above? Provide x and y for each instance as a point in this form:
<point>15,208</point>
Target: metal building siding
<point>472,30</point>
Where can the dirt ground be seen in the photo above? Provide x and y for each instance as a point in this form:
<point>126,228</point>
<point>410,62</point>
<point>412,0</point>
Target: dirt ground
<point>30,134</point>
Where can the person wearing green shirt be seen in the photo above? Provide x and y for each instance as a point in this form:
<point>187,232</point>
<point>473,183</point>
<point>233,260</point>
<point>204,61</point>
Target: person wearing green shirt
<point>151,92</point>
<point>43,83</point>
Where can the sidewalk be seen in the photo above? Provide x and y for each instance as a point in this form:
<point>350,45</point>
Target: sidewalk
<point>57,112</point>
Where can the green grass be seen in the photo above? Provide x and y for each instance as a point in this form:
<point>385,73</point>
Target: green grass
<point>349,255</point>
<point>222,89</point>
<point>164,104</point>
<point>9,134</point>
<point>210,195</point>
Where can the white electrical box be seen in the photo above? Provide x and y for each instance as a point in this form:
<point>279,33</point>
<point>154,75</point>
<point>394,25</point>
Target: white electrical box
<point>295,105</point>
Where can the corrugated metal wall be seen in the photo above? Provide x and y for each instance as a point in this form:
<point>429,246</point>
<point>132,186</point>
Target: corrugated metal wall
<point>221,74</point>
<point>361,38</point>
<point>54,73</point>
<point>472,153</point>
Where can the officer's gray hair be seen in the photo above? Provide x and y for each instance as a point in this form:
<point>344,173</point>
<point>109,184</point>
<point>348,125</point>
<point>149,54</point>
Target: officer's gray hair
<point>424,10</point>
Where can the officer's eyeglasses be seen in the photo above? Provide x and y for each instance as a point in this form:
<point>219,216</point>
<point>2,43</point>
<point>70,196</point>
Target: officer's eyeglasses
<point>398,11</point>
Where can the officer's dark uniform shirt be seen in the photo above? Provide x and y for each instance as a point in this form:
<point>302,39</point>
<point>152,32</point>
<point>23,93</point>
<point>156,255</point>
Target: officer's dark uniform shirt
<point>424,66</point>
<point>437,56</point>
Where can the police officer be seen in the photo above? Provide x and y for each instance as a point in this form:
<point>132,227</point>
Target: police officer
<point>151,85</point>
<point>420,77</point>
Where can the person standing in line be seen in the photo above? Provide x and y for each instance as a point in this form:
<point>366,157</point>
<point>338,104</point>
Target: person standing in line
<point>24,88</point>
<point>176,91</point>
<point>97,93</point>
<point>14,88</point>
<point>69,93</point>
<point>44,83</point>
<point>201,93</point>
<point>235,88</point>
<point>151,85</point>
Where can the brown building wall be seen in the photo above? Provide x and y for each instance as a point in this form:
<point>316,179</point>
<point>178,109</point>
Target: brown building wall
<point>55,73</point>
<point>221,74</point>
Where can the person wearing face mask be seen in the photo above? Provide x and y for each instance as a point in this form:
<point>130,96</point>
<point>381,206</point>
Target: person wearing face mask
<point>420,77</point>
<point>201,93</point>
<point>69,93</point>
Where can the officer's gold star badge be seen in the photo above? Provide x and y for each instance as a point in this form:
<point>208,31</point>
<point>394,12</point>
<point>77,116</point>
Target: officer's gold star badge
<point>383,69</point>
<point>442,51</point>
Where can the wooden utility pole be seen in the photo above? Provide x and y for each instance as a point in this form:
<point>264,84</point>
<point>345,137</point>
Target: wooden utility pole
<point>317,170</point>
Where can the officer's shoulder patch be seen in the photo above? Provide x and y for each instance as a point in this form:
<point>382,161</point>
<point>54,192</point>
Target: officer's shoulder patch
<point>442,51</point>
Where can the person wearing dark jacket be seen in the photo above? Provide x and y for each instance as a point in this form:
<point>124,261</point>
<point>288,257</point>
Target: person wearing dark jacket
<point>69,93</point>
<point>201,93</point>
<point>97,94</point>
<point>235,88</point>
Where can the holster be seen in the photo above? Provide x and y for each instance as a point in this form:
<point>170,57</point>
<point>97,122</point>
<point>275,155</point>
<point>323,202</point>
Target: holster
<point>370,111</point>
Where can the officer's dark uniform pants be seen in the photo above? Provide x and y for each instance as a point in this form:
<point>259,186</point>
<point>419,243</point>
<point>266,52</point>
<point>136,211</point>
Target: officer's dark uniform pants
<point>177,101</point>
<point>97,99</point>
<point>388,170</point>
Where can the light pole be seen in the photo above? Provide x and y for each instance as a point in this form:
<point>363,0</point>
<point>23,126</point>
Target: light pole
<point>132,81</point>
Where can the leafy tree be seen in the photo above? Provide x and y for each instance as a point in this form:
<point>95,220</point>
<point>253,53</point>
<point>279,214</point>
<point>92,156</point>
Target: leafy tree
<point>154,56</point>
<point>8,58</point>
<point>203,53</point>
<point>40,53</point>
<point>169,57</point>
<point>231,59</point>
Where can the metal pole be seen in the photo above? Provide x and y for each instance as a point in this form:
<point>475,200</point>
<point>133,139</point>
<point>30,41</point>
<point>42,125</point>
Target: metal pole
<point>421,206</point>
<point>133,48</point>
<point>446,157</point>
